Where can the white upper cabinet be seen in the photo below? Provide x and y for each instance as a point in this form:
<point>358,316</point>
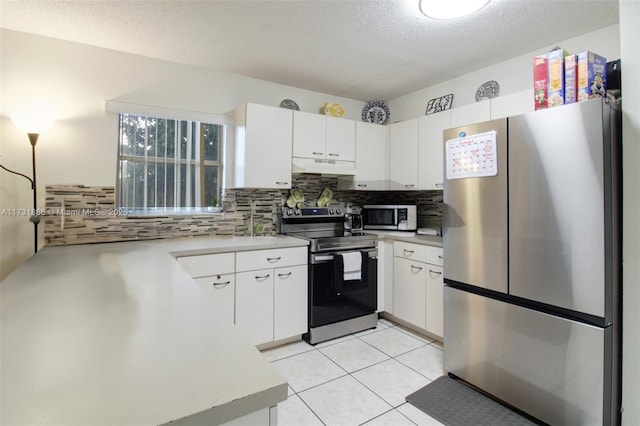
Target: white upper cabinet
<point>430,149</point>
<point>472,113</point>
<point>263,147</point>
<point>371,159</point>
<point>341,139</point>
<point>321,137</point>
<point>403,155</point>
<point>512,104</point>
<point>309,135</point>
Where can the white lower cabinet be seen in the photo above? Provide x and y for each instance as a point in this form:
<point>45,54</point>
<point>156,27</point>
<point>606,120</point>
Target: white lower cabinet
<point>409,291</point>
<point>254,304</point>
<point>434,300</point>
<point>290,302</point>
<point>271,303</point>
<point>418,286</point>
<point>221,292</point>
<point>215,274</point>
<point>266,296</point>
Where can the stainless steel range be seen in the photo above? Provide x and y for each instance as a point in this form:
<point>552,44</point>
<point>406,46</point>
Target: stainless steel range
<point>343,271</point>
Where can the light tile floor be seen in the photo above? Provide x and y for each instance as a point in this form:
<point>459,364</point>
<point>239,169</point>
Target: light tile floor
<point>361,379</point>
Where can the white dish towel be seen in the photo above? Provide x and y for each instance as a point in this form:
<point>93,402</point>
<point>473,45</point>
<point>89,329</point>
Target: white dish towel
<point>352,262</point>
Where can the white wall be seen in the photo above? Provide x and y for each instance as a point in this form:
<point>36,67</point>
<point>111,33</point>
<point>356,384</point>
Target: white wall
<point>630,53</point>
<point>81,148</point>
<point>513,75</point>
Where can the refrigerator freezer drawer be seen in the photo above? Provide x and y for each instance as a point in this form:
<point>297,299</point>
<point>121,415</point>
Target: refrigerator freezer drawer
<point>547,366</point>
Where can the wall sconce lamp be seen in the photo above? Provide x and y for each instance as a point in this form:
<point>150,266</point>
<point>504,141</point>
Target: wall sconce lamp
<point>32,122</point>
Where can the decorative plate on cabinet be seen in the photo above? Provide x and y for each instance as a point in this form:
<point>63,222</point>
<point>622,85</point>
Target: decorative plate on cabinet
<point>488,90</point>
<point>376,112</point>
<point>289,104</point>
<point>333,109</point>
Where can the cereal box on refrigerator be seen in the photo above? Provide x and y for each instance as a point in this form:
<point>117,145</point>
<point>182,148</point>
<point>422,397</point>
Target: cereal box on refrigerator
<point>570,79</point>
<point>540,79</point>
<point>555,66</point>
<point>592,75</point>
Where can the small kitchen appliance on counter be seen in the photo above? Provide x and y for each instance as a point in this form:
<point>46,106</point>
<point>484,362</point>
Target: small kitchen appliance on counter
<point>390,217</point>
<point>343,271</point>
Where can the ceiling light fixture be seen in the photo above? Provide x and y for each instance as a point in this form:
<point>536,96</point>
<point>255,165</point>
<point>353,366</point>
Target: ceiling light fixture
<point>450,9</point>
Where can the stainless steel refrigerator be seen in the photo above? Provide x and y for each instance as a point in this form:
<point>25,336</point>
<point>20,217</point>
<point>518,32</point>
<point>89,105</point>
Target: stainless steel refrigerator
<point>531,235</point>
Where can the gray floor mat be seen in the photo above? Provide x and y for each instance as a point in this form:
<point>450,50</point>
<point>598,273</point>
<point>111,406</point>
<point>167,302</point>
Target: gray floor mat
<point>456,404</point>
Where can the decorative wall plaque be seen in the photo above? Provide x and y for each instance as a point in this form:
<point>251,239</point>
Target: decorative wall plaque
<point>442,103</point>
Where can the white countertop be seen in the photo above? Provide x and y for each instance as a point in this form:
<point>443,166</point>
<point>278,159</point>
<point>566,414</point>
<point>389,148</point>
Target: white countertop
<point>408,236</point>
<point>119,334</point>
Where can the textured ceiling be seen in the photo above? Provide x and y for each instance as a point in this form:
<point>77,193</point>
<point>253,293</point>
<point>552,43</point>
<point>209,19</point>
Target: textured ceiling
<point>359,49</point>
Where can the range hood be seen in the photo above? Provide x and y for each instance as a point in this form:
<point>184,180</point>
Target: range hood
<point>323,167</point>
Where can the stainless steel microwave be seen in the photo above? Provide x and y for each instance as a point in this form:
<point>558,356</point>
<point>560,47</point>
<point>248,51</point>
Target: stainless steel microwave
<point>390,217</point>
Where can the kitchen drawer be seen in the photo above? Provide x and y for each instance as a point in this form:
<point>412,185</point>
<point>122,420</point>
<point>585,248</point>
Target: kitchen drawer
<point>208,264</point>
<point>415,252</point>
<point>434,255</point>
<point>274,258</point>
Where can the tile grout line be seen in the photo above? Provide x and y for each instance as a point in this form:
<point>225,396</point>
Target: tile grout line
<point>389,325</point>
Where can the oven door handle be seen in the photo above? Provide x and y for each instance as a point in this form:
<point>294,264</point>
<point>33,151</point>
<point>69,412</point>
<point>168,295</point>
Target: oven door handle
<point>327,258</point>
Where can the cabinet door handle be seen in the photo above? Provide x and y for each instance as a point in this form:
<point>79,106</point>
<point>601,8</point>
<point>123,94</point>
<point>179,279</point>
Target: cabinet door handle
<point>262,277</point>
<point>334,155</point>
<point>418,268</point>
<point>282,183</point>
<point>439,185</point>
<point>441,258</point>
<point>273,259</point>
<point>435,272</point>
<point>409,185</point>
<point>287,275</point>
<point>317,153</point>
<point>362,185</point>
<point>408,252</point>
<point>221,285</point>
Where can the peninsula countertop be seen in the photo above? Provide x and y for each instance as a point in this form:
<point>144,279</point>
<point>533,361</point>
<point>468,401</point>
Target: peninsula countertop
<point>119,333</point>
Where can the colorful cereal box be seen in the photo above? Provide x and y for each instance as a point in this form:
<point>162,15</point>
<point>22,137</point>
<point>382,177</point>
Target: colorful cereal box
<point>570,79</point>
<point>540,81</point>
<point>592,75</point>
<point>555,66</point>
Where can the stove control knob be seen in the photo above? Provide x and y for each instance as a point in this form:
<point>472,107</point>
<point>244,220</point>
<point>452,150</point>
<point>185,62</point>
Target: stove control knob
<point>338,211</point>
<point>289,212</point>
<point>297,212</point>
<point>330,211</point>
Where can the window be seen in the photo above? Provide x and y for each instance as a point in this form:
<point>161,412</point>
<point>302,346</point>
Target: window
<point>168,163</point>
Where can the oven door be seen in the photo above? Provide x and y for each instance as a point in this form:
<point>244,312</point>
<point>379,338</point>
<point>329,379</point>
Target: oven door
<point>332,299</point>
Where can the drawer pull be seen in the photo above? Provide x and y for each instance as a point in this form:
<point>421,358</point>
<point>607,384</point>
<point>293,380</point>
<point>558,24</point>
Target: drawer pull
<point>317,153</point>
<point>362,185</point>
<point>435,272</point>
<point>287,275</point>
<point>221,285</point>
<point>418,268</point>
<point>408,252</point>
<point>409,185</point>
<point>334,155</point>
<point>279,182</point>
<point>262,277</point>
<point>439,185</point>
<point>273,259</point>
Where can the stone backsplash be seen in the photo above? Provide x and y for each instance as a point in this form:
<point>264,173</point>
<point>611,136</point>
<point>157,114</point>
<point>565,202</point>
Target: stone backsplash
<point>78,214</point>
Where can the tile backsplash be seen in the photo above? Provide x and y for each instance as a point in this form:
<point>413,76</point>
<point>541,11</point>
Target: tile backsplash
<point>79,214</point>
